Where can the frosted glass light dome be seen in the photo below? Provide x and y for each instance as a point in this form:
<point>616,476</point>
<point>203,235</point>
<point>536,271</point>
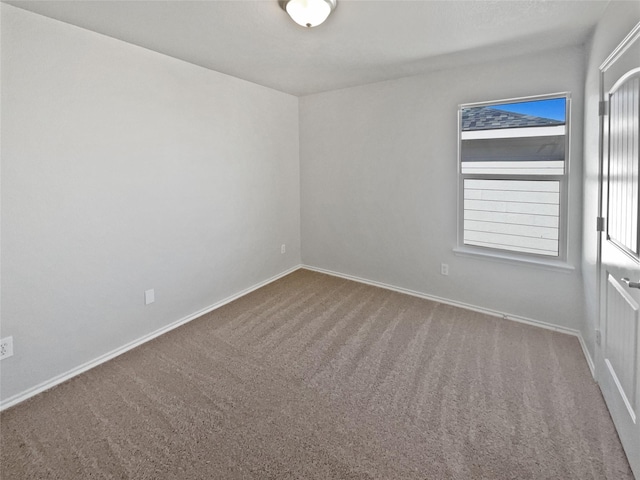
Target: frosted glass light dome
<point>309,13</point>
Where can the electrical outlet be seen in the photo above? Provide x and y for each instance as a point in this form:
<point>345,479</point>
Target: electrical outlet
<point>283,248</point>
<point>444,269</point>
<point>149,296</point>
<point>6,347</point>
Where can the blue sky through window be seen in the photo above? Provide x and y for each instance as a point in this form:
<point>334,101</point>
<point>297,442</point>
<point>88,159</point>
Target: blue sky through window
<point>553,108</point>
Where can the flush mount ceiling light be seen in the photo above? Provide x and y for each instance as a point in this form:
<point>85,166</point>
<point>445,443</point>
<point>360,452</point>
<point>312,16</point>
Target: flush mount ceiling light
<point>308,13</point>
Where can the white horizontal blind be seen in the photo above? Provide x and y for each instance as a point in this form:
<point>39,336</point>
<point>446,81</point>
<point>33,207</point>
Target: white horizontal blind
<point>517,168</point>
<point>516,215</point>
<point>521,132</point>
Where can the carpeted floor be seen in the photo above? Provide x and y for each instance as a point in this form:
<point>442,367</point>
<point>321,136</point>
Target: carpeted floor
<point>316,377</point>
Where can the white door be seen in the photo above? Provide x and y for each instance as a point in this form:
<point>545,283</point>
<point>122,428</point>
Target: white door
<point>619,353</point>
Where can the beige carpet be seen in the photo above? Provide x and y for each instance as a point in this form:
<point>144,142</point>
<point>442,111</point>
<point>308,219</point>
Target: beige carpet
<point>322,378</point>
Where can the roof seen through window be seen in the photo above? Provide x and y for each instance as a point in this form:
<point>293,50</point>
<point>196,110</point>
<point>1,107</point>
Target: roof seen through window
<point>536,113</point>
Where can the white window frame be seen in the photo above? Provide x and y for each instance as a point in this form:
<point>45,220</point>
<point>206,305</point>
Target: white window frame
<point>553,262</point>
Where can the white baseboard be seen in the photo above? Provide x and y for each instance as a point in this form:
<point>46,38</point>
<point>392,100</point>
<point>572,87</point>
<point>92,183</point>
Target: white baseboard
<point>587,356</point>
<point>46,385</point>
<point>488,311</point>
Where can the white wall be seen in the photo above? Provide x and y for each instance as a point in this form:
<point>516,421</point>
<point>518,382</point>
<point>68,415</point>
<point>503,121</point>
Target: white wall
<point>124,170</point>
<point>617,21</point>
<point>379,185</point>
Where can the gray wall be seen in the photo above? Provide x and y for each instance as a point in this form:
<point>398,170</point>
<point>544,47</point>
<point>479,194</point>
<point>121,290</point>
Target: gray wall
<point>379,185</point>
<point>124,170</point>
<point>616,23</point>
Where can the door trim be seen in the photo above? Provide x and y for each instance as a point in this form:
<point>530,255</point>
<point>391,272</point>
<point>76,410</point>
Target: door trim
<point>619,50</point>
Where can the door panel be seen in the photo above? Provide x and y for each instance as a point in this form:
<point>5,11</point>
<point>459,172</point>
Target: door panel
<point>622,343</point>
<point>618,359</point>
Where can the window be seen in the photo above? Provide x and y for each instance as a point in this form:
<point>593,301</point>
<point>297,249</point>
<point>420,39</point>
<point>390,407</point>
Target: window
<point>513,176</point>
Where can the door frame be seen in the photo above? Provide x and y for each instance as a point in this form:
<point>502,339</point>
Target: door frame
<point>634,35</point>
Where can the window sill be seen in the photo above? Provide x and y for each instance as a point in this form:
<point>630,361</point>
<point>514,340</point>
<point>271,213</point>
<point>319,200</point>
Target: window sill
<point>554,265</point>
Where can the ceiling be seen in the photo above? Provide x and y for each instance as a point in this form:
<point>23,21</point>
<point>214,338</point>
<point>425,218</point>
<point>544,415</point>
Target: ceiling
<point>363,41</point>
